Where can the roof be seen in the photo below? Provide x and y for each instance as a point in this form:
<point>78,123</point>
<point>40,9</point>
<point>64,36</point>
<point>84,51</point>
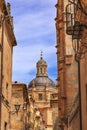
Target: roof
<point>41,81</point>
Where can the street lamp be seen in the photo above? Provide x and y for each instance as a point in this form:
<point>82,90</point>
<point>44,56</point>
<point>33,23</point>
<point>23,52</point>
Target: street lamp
<point>17,107</point>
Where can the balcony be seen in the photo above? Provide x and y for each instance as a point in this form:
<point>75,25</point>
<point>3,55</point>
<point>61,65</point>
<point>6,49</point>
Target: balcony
<point>73,26</point>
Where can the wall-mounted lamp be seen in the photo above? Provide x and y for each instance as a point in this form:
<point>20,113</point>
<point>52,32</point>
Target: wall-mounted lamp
<point>17,107</point>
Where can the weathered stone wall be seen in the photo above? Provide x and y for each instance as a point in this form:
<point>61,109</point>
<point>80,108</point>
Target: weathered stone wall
<point>44,104</point>
<point>74,115</point>
<point>7,41</point>
<point>83,81</point>
<point>19,96</point>
<point>75,125</point>
<point>67,66</point>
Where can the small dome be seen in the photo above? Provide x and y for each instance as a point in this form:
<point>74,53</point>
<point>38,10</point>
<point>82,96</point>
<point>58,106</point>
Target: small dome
<point>42,78</point>
<point>41,62</point>
<point>41,81</point>
<point>41,67</point>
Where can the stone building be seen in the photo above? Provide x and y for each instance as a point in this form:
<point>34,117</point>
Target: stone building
<point>7,42</point>
<point>67,80</point>
<point>35,120</point>
<point>22,109</point>
<point>80,36</point>
<point>72,20</point>
<point>19,103</point>
<point>24,115</point>
<point>41,89</point>
<point>82,19</point>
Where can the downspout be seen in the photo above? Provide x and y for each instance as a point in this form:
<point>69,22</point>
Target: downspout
<point>80,103</point>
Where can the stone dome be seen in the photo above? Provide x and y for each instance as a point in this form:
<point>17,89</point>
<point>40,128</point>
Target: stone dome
<point>42,78</point>
<point>41,81</point>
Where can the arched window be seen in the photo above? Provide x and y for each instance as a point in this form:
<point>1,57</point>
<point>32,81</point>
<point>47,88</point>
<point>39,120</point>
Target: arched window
<point>41,70</point>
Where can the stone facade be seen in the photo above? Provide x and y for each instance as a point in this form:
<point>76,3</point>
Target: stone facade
<point>41,89</point>
<point>20,108</point>
<point>81,57</point>
<point>44,104</point>
<point>82,18</point>
<point>74,117</point>
<point>35,120</point>
<point>7,41</point>
<point>67,66</point>
<point>54,106</point>
<point>18,119</point>
<point>75,78</point>
<point>24,114</point>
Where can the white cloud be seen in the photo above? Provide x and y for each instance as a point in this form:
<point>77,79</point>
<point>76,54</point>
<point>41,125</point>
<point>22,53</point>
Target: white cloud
<point>26,57</point>
<point>34,27</point>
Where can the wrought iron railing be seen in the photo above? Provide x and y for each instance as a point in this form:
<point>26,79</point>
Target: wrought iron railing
<point>73,26</point>
<point>76,26</point>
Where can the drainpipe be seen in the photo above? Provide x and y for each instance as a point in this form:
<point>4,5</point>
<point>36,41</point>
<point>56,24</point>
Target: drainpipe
<point>80,103</point>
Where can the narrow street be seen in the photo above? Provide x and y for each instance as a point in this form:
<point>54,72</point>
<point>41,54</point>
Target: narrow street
<point>43,83</point>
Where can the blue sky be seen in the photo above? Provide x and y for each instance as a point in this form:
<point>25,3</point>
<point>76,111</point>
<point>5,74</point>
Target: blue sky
<point>34,28</point>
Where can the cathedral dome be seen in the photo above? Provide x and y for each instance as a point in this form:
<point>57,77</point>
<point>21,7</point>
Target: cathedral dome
<point>42,78</point>
<point>41,81</point>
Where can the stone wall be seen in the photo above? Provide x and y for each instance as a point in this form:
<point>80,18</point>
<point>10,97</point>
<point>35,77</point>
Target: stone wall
<point>74,116</point>
<point>18,119</point>
<point>44,104</point>
<point>83,82</point>
<point>67,66</point>
<point>7,41</point>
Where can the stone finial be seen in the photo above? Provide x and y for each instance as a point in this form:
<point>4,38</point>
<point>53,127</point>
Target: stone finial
<point>9,9</point>
<point>41,55</point>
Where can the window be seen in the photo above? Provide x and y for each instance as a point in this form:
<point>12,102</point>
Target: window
<point>41,70</point>
<point>40,96</point>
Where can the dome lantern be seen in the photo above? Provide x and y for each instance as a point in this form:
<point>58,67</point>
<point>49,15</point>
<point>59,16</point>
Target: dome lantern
<point>41,67</point>
<point>42,78</point>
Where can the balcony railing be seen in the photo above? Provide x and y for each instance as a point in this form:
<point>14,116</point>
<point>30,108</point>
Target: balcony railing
<point>73,26</point>
<point>76,26</point>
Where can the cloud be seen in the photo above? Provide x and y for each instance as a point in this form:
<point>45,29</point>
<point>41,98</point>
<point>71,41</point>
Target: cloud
<point>28,56</point>
<point>34,27</point>
<point>25,59</point>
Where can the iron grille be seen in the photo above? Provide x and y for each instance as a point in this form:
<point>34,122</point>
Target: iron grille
<point>73,27</point>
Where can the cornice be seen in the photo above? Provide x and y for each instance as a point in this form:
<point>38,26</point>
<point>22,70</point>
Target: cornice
<point>10,32</point>
<point>7,21</point>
